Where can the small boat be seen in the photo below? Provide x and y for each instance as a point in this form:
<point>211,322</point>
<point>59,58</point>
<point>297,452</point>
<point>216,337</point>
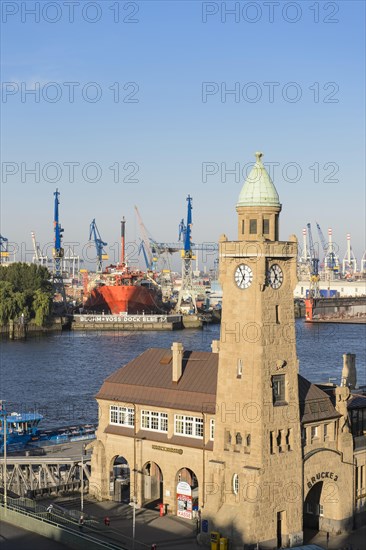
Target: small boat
<point>23,433</point>
<point>21,429</point>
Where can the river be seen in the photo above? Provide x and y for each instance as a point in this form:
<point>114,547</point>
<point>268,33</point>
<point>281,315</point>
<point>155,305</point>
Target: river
<point>58,375</point>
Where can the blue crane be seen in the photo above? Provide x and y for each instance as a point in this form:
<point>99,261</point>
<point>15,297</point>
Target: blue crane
<point>185,231</point>
<point>58,253</point>
<point>99,245</point>
<point>187,290</point>
<point>330,259</point>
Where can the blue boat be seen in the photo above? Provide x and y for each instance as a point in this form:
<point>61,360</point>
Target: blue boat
<point>23,432</point>
<point>21,429</point>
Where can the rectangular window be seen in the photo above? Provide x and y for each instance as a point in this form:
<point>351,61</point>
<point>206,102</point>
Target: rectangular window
<point>212,429</point>
<point>253,227</point>
<point>265,226</point>
<point>191,426</point>
<point>122,416</point>
<point>326,432</point>
<point>179,424</point>
<point>113,414</point>
<point>198,427</point>
<point>314,432</point>
<point>278,389</point>
<point>242,227</point>
<point>154,421</point>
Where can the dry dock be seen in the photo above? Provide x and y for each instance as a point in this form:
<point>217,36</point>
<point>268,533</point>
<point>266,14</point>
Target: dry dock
<point>126,322</point>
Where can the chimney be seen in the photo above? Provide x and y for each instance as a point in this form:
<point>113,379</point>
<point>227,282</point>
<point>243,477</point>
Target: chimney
<point>177,349</point>
<point>349,373</point>
<point>215,346</point>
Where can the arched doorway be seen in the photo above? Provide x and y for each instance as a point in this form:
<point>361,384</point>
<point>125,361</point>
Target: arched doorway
<point>120,480</point>
<point>187,493</point>
<point>313,509</point>
<point>152,487</point>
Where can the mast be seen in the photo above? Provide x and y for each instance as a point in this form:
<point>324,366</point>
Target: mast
<point>123,244</point>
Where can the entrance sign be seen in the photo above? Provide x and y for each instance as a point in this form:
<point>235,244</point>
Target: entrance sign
<point>184,500</point>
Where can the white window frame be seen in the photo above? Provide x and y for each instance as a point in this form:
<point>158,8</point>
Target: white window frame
<point>154,421</point>
<point>212,429</point>
<point>122,416</point>
<point>189,426</point>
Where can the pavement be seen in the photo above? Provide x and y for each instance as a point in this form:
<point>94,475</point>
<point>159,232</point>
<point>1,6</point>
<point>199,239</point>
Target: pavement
<point>170,532</point>
<point>13,537</point>
<point>356,540</point>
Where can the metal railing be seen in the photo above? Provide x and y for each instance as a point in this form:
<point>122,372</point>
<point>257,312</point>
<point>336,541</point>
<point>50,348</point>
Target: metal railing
<point>56,518</point>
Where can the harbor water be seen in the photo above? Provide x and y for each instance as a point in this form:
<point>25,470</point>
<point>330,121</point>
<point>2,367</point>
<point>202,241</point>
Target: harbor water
<point>58,375</point>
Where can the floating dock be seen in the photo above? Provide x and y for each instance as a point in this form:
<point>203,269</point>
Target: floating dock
<point>126,322</point>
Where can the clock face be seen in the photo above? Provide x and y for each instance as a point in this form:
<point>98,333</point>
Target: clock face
<point>243,276</point>
<point>275,276</point>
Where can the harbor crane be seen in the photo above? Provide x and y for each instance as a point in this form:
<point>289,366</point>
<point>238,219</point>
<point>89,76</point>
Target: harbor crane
<point>146,244</point>
<point>314,292</point>
<point>349,264</point>
<point>187,291</point>
<point>314,267</point>
<point>58,253</point>
<point>38,258</point>
<point>4,249</point>
<point>99,245</point>
<point>331,262</point>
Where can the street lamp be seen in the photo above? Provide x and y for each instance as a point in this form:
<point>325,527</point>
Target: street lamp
<point>82,479</point>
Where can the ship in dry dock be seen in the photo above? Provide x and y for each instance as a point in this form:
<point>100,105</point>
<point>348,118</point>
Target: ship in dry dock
<point>120,289</point>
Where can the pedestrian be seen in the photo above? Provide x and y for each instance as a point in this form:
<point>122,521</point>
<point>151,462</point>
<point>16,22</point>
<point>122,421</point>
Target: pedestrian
<point>49,510</point>
<point>81,522</point>
<point>154,547</point>
<point>107,521</point>
<point>327,539</point>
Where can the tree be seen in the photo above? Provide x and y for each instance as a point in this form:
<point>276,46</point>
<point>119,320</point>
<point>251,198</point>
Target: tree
<point>41,307</point>
<point>25,289</point>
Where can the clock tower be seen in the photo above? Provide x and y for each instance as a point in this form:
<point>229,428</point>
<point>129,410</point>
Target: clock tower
<point>254,489</point>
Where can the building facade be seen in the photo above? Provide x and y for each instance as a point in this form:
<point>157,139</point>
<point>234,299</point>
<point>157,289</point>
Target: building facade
<point>237,434</point>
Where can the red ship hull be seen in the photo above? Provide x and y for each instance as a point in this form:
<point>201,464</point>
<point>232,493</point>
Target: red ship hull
<point>119,299</point>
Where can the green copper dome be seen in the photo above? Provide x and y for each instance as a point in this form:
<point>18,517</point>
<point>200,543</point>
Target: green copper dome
<point>258,189</point>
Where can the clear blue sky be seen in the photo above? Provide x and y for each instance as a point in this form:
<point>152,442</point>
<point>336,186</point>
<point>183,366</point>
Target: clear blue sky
<point>173,128</point>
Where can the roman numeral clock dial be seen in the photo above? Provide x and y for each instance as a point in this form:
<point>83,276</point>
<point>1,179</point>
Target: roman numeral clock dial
<point>243,276</point>
<point>275,276</point>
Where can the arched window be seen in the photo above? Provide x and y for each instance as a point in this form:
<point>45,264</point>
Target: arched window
<point>238,439</point>
<point>235,484</point>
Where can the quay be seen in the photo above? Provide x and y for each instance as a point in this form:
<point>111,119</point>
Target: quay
<point>126,322</point>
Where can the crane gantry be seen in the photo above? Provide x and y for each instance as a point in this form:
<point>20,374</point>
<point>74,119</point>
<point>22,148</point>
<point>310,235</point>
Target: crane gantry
<point>99,245</point>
